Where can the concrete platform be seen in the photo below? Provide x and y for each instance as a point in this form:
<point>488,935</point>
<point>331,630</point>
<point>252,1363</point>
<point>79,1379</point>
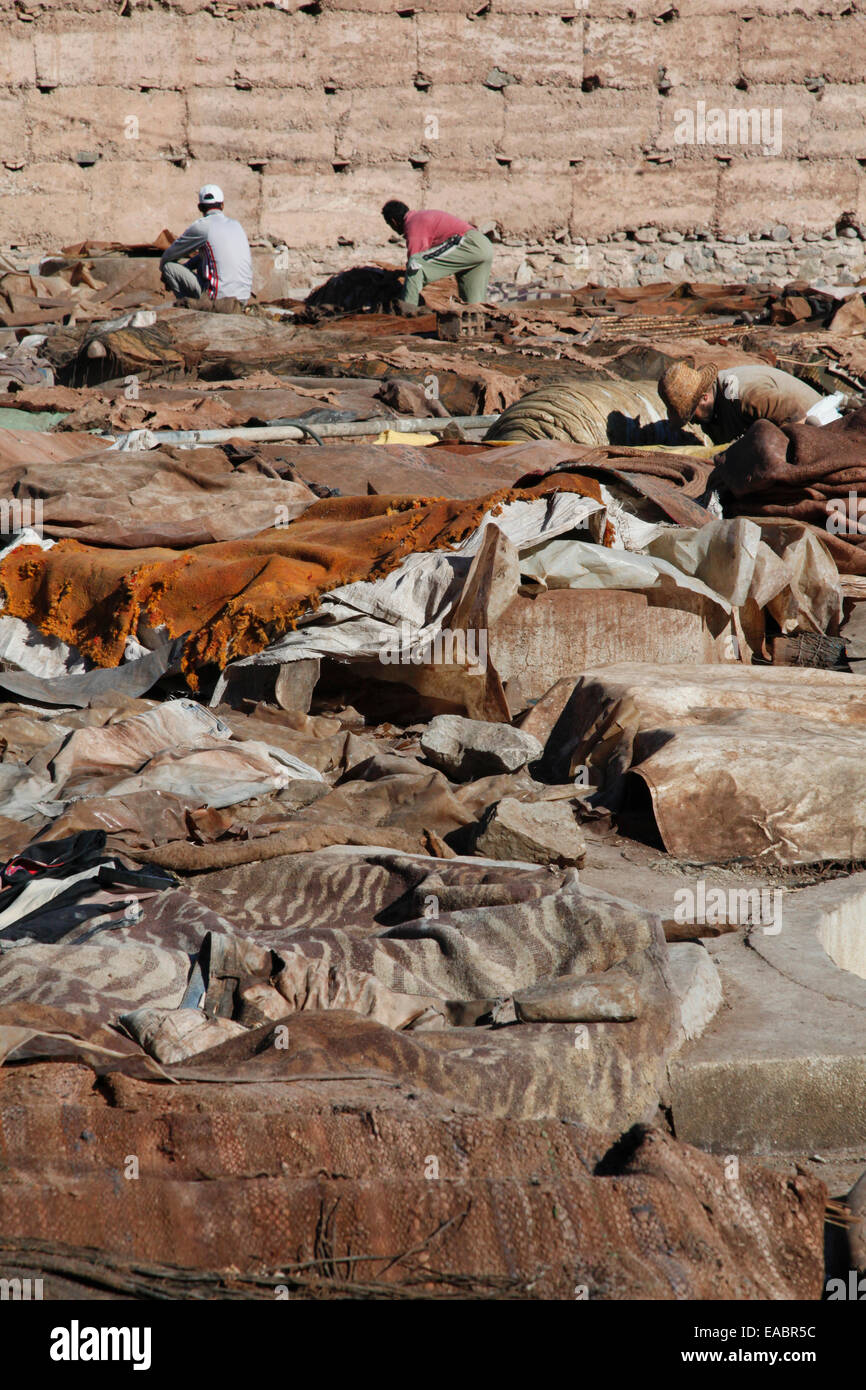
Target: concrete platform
<point>782,1067</point>
<point>780,1070</point>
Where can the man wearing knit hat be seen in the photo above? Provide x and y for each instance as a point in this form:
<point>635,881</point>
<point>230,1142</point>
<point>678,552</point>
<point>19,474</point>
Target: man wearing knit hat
<point>220,266</point>
<point>725,403</point>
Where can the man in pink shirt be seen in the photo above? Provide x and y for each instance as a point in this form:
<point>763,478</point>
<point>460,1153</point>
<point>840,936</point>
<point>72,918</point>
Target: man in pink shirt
<point>439,245</point>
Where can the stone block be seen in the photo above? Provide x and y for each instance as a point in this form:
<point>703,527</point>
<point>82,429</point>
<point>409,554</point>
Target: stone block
<point>604,996</point>
<point>292,124</point>
<point>624,9</point>
<point>420,7</point>
<point>705,121</point>
<point>314,209</point>
<point>343,49</point>
<point>272,48</point>
<point>561,124</point>
<point>530,200</point>
<point>295,684</point>
<point>42,197</point>
<point>781,1067</point>
<point>112,51</point>
<point>454,49</point>
<point>541,832</point>
<point>274,272</point>
<point>445,123</point>
<point>465,749</point>
<point>696,984</point>
<point>567,9</point>
<point>381,126</point>
<point>838,127</point>
<point>14,127</point>
<point>625,53</point>
<point>747,12</point>
<point>608,195</point>
<point>78,204</point>
<point>119,123</point>
<point>356,51</point>
<point>17,57</point>
<point>793,47</point>
<point>818,191</point>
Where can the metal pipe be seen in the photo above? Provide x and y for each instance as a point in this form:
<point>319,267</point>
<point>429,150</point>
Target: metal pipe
<point>346,430</point>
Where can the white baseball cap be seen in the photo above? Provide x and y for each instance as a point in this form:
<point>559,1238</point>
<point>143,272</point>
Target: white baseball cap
<point>210,193</point>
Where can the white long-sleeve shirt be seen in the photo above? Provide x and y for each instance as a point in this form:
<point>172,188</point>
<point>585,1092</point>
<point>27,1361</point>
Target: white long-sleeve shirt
<point>224,245</point>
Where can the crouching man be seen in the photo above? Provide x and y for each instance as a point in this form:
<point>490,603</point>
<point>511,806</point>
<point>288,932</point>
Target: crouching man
<point>439,245</point>
<point>220,265</point>
<point>726,403</point>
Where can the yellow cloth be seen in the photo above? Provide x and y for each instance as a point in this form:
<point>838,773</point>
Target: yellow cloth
<point>402,437</point>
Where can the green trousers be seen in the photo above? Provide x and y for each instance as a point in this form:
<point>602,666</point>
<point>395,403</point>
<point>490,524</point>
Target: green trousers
<point>470,260</point>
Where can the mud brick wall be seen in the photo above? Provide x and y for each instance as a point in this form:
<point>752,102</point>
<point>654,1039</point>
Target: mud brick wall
<point>560,120</point>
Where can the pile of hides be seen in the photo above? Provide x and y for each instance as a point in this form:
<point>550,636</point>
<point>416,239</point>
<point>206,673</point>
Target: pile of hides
<point>802,473</point>
<point>368,289</point>
<point>186,761</point>
<point>21,368</point>
<point>774,576</point>
<point>177,747</point>
<point>740,762</point>
<point>350,939</point>
<point>70,291</point>
<point>181,341</point>
<point>364,289</point>
<point>373,791</point>
<point>235,597</point>
<point>676,481</point>
<point>590,412</point>
<point>797,303</point>
<point>19,449</point>
<point>443,470</point>
<point>160,243</point>
<point>525,1209</point>
<point>474,1003</point>
<point>341,579</point>
<point>165,497</point>
<point>72,294</point>
<point>253,400</point>
<point>509,945</point>
<point>466,386</point>
<point>470,1011</point>
<point>395,622</point>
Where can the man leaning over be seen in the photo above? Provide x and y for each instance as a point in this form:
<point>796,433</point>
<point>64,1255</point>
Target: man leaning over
<point>726,403</point>
<point>439,245</point>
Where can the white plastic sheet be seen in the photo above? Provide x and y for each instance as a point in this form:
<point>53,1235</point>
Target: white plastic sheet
<point>359,621</point>
<point>572,564</point>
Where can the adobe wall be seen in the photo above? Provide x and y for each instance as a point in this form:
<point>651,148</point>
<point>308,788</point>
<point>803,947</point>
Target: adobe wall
<point>564,121</point>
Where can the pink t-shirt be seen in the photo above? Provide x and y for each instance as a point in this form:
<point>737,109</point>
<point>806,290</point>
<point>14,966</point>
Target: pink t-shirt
<point>425,229</point>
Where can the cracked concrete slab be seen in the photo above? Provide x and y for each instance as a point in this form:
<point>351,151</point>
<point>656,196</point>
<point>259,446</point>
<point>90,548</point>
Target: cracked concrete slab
<point>782,1067</point>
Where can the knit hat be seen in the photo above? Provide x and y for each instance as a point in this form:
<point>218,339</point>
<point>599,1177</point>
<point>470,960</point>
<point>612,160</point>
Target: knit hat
<point>681,387</point>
